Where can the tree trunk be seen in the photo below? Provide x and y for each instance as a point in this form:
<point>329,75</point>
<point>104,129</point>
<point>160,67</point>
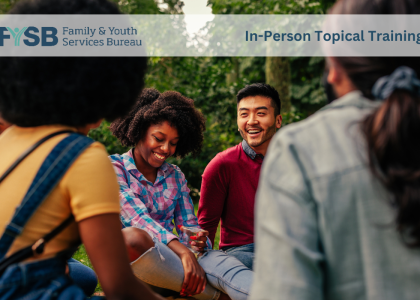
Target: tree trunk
<point>233,76</point>
<point>277,74</point>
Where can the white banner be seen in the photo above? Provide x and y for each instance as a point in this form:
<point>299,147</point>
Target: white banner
<point>225,35</point>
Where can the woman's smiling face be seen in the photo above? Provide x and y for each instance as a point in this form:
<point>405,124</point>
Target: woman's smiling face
<point>158,144</point>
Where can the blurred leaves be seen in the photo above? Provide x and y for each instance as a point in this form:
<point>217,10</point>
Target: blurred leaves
<point>269,6</point>
<point>104,135</point>
<point>213,82</point>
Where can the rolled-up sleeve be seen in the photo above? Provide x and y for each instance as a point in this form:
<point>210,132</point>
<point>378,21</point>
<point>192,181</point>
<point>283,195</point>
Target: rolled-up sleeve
<point>289,257</point>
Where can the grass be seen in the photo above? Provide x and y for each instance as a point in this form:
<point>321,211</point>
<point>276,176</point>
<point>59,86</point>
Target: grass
<point>82,256</point>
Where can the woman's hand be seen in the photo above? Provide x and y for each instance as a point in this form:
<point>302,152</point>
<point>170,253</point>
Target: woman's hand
<point>199,241</point>
<point>194,275</point>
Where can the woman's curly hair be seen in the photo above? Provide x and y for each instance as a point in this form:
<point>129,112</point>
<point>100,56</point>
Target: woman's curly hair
<point>154,108</point>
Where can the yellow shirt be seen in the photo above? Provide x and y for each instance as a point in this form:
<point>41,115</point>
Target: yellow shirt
<point>88,188</point>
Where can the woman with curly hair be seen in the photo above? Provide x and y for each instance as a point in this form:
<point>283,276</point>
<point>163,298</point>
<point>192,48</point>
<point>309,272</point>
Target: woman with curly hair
<point>154,193</point>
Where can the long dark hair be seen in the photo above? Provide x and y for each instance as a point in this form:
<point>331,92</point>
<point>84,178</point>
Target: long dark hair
<point>392,131</point>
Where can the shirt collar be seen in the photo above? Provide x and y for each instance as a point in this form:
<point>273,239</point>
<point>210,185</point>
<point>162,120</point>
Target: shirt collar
<point>128,160</point>
<point>249,151</point>
<point>353,98</point>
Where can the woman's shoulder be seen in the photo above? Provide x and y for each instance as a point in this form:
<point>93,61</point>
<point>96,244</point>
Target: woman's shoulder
<point>116,158</point>
<point>330,141</point>
<point>124,160</point>
<point>333,119</point>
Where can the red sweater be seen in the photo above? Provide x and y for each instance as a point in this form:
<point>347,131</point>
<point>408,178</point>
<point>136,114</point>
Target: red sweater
<point>228,190</point>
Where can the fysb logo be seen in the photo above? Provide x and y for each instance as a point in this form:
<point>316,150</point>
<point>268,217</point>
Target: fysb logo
<point>48,36</point>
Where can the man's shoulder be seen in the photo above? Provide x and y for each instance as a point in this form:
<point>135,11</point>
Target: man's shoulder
<point>230,155</point>
<point>232,150</point>
<point>225,158</point>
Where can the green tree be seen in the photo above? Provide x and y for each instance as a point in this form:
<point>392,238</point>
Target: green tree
<point>213,82</point>
<point>138,6</point>
<point>126,6</point>
<point>278,69</point>
<point>6,5</point>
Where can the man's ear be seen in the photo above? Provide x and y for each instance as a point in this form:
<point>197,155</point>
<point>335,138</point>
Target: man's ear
<point>278,121</point>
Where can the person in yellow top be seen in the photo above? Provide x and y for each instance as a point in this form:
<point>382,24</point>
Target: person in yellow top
<point>43,95</point>
<point>83,276</point>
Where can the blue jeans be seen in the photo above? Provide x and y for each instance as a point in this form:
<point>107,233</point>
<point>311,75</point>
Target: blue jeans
<point>245,254</point>
<point>161,267</point>
<point>83,276</point>
<point>39,280</point>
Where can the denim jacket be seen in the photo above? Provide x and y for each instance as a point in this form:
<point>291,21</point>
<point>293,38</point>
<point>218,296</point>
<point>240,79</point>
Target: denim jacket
<point>324,224</point>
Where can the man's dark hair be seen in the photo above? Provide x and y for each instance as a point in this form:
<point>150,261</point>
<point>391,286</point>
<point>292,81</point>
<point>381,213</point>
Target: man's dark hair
<point>72,91</point>
<point>261,89</point>
<point>154,108</point>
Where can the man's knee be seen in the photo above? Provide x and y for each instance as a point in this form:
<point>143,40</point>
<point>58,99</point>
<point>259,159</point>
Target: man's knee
<point>137,242</point>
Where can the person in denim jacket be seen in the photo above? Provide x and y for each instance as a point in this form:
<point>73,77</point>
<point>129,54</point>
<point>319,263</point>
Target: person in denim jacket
<point>338,203</point>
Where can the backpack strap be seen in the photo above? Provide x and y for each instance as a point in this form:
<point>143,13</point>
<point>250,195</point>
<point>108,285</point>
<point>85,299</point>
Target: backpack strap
<point>30,150</point>
<point>38,248</point>
<point>52,170</point>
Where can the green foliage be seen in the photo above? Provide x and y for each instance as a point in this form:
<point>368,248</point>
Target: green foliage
<point>126,6</point>
<point>138,6</point>
<point>6,5</point>
<point>269,6</point>
<point>173,6</point>
<point>103,135</point>
<point>307,93</point>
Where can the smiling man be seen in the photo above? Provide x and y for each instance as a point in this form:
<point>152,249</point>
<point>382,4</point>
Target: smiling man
<point>230,180</point>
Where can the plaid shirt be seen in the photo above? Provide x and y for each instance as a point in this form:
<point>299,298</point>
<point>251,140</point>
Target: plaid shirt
<point>153,207</point>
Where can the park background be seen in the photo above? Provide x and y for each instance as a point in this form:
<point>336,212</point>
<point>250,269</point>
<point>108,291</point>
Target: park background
<point>213,82</point>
